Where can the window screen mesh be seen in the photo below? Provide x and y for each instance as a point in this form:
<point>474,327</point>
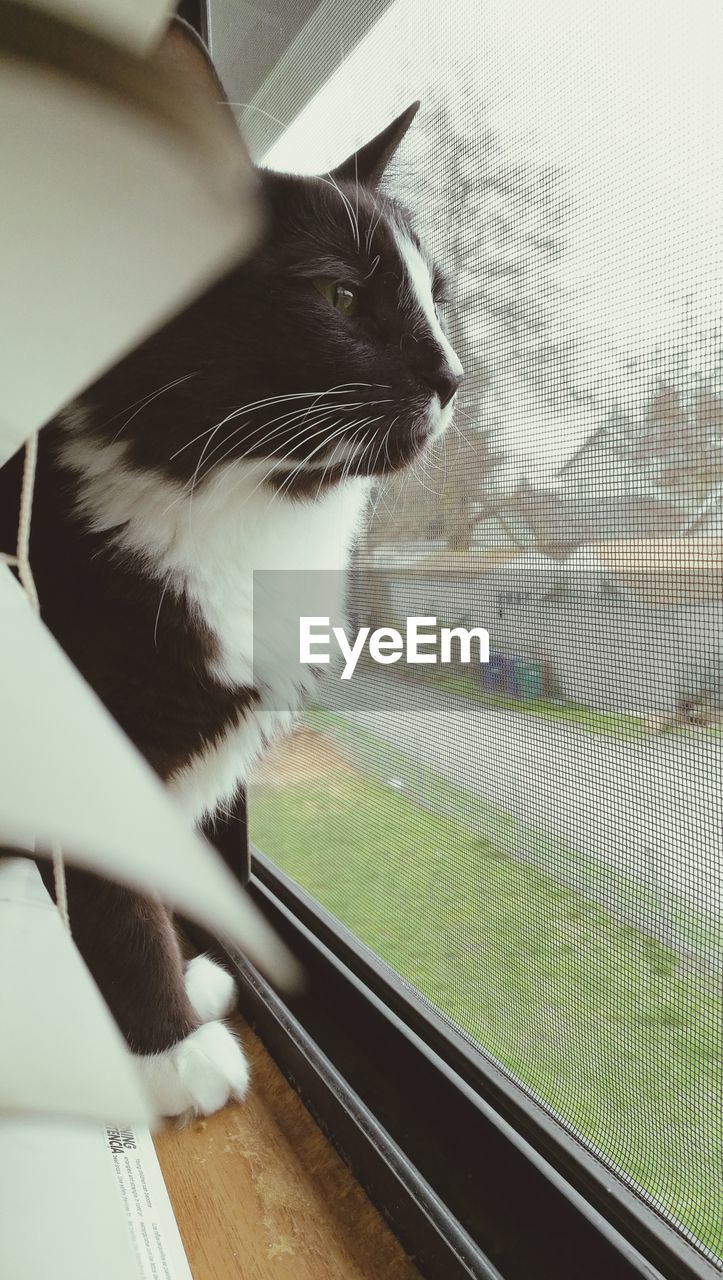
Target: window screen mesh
<point>534,844</point>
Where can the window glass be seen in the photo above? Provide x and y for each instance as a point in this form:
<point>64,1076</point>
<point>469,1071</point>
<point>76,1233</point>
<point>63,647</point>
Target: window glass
<point>534,842</point>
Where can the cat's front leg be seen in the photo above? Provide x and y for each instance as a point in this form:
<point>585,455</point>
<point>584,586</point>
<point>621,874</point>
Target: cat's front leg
<point>168,1012</point>
<point>207,1068</point>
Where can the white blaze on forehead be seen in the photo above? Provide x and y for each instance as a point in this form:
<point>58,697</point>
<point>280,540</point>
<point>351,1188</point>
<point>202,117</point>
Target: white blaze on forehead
<point>419,281</point>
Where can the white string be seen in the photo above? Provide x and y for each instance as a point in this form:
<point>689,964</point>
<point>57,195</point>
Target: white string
<point>22,550</point>
<point>21,561</point>
<point>61,887</point>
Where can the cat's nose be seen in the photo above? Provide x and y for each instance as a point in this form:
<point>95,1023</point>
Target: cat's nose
<point>444,380</point>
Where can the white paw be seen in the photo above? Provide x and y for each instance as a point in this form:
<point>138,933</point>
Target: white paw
<point>211,990</point>
<point>199,1074</point>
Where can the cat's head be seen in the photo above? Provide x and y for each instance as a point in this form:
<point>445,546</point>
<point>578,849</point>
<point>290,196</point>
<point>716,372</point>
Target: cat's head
<point>322,357</point>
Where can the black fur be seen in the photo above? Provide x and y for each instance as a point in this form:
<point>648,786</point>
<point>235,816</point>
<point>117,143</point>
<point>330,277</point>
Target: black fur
<point>263,331</point>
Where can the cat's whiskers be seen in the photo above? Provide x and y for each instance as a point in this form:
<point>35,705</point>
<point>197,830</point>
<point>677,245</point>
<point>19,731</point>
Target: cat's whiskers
<point>366,446</point>
<point>252,107</point>
<point>287,420</point>
<point>386,438</point>
<point>460,431</point>
<point>356,456</point>
<point>458,410</point>
<point>414,468</point>
<point>362,452</point>
<point>331,462</point>
<point>374,224</point>
<point>461,439</point>
<point>367,245</point>
<point>210,431</point>
<point>191,486</point>
<point>301,414</point>
<point>295,471</point>
<point>381,494</point>
<point>340,430</point>
<point>390,428</point>
<point>261,403</point>
<point>343,431</point>
<point>298,435</point>
<point>196,480</point>
<point>356,189</point>
<point>330,181</point>
<point>383,498</point>
<point>380,489</point>
<point>389,488</point>
<point>329,432</point>
<point>145,400</point>
<point>420,459</point>
<point>268,401</point>
<point>258,464</point>
<point>346,467</point>
<point>250,467</point>
<point>385,493</point>
<point>379,448</point>
<point>324,444</point>
<point>305,416</point>
<point>158,611</point>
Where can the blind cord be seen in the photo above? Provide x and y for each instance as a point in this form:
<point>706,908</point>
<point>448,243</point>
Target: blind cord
<point>21,560</point>
<point>22,549</point>
<point>61,887</point>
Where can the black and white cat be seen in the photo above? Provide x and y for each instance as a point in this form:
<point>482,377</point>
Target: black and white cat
<point>245,435</point>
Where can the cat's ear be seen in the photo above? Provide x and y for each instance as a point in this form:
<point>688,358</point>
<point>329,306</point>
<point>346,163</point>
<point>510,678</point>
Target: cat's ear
<point>184,50</point>
<point>368,164</point>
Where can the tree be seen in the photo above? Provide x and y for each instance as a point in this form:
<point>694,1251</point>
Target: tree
<point>496,224</point>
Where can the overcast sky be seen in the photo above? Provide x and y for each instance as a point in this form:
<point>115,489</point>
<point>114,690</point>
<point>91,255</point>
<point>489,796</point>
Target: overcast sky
<point>625,96</point>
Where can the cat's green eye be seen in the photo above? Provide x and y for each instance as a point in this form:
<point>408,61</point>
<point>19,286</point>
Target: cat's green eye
<point>342,297</point>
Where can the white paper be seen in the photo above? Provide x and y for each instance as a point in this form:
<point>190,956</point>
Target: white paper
<point>145,1204</point>
<point>59,1216</point>
<point>68,775</point>
<point>61,1052</point>
<point>73,1209</point>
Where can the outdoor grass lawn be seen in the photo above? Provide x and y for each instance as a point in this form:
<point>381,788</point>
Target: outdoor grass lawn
<point>609,724</point>
<point>614,724</point>
<point>618,1034</point>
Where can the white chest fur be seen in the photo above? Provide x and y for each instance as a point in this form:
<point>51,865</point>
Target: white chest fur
<point>209,547</point>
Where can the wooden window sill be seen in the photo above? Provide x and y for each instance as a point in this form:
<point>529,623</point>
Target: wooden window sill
<point>259,1192</point>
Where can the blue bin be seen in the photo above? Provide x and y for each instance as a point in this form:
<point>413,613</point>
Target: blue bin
<point>492,673</point>
<point>510,682</point>
<point>530,678</point>
<point>499,675</point>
